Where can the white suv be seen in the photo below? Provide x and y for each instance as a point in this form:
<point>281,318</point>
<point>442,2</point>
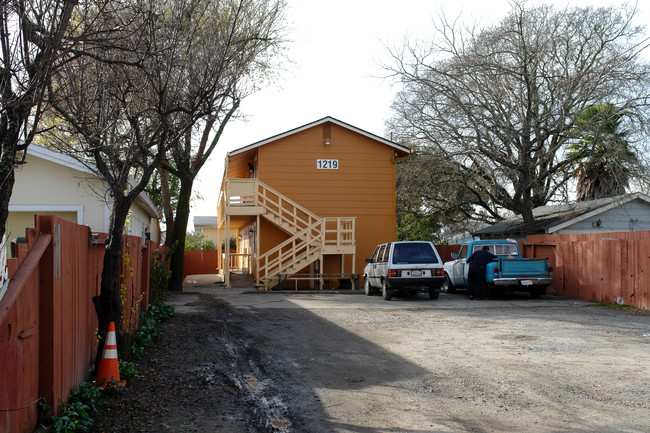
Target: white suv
<point>407,266</point>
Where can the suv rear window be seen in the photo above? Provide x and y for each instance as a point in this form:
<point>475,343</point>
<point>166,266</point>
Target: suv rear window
<point>413,253</point>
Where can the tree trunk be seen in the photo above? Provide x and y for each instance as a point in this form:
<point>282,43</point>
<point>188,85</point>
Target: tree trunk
<point>9,136</point>
<point>177,262</point>
<point>529,220</point>
<point>167,207</point>
<point>108,304</point>
<point>7,178</point>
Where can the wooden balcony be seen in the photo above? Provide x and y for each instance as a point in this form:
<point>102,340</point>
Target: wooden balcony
<point>239,198</point>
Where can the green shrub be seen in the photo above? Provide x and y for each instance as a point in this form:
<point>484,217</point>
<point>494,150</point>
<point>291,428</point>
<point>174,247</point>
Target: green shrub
<point>197,241</point>
<point>88,395</point>
<point>74,418</point>
<point>76,414</point>
<point>149,327</point>
<point>127,370</point>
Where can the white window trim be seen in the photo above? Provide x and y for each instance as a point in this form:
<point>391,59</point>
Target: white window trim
<point>50,208</point>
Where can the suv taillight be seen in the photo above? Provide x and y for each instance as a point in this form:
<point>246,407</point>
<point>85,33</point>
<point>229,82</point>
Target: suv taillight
<point>392,273</point>
<point>440,272</point>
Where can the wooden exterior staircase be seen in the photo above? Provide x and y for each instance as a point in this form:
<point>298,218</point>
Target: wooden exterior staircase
<point>310,236</point>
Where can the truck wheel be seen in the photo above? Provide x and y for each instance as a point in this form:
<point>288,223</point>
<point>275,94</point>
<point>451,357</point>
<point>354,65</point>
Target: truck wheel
<point>367,288</point>
<point>448,286</point>
<point>537,292</point>
<point>434,293</point>
<point>386,291</point>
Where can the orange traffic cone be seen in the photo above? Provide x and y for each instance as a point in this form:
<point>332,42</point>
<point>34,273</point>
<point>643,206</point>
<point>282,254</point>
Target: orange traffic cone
<point>109,367</point>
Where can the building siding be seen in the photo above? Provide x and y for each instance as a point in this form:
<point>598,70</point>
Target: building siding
<point>42,184</point>
<point>362,187</point>
<point>632,216</point>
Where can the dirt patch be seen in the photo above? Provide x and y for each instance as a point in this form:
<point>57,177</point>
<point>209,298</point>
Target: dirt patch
<point>277,362</point>
<point>204,375</point>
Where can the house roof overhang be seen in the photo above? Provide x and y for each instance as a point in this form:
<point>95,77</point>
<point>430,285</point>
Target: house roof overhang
<point>206,221</point>
<point>552,219</point>
<point>400,151</point>
<point>143,198</point>
<point>607,204</point>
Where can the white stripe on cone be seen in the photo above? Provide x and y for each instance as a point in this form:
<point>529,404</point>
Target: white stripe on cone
<point>110,339</point>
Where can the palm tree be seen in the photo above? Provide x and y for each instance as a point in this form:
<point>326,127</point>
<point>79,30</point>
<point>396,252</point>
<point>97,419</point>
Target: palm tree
<point>602,156</point>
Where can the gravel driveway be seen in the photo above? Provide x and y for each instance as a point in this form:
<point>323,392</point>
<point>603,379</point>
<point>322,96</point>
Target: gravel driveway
<point>236,361</point>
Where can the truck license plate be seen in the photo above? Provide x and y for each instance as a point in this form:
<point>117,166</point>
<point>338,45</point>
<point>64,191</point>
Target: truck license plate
<point>526,283</point>
<point>416,273</point>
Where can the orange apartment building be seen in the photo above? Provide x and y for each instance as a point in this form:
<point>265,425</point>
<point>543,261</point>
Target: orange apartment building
<point>308,205</point>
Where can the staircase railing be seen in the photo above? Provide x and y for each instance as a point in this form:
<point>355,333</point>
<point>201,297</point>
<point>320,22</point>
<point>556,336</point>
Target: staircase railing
<point>304,245</point>
<point>283,210</point>
<point>311,235</point>
<point>338,234</point>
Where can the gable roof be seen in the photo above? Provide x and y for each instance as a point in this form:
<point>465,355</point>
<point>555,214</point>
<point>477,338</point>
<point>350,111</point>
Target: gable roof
<point>59,158</point>
<point>551,219</point>
<point>206,221</point>
<point>72,163</point>
<point>401,150</point>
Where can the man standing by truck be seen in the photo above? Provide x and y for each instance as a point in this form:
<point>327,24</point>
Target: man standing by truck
<point>476,287</point>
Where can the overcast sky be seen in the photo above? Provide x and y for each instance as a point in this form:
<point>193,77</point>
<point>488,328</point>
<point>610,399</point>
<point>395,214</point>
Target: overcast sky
<point>337,51</point>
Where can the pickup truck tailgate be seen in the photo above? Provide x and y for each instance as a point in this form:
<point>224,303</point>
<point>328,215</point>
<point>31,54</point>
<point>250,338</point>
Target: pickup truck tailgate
<point>522,268</point>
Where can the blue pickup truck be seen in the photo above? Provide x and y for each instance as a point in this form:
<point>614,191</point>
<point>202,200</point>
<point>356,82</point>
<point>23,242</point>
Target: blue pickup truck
<point>509,272</point>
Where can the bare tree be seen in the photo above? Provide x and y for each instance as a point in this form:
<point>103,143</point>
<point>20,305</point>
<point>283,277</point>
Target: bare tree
<point>432,198</point>
<point>31,40</point>
<point>498,103</point>
<point>225,58</point>
<point>117,93</point>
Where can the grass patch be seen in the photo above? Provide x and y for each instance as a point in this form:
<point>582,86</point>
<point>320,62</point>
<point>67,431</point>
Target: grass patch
<point>621,307</point>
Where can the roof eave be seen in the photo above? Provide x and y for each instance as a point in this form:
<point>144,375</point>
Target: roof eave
<point>599,210</point>
<point>402,150</point>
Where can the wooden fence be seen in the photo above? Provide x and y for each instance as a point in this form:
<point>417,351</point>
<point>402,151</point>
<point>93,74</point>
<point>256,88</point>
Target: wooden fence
<point>609,267</point>
<point>445,251</point>
<point>200,262</point>
<point>205,261</point>
<point>47,318</point>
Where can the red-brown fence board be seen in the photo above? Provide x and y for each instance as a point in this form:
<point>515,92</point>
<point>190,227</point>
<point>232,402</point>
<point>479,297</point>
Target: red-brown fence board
<point>604,267</point>
<point>68,307</point>
<point>445,251</point>
<point>200,262</point>
<point>19,344</point>
<point>47,318</point>
<point>135,277</point>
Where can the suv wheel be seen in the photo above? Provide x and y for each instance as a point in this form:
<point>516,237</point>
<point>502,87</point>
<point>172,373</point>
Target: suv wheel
<point>386,291</point>
<point>367,288</point>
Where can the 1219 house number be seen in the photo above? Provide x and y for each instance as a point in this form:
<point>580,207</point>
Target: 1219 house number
<point>327,164</point>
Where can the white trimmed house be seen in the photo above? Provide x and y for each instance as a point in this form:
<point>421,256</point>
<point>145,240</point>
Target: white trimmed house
<point>623,213</point>
<point>51,183</point>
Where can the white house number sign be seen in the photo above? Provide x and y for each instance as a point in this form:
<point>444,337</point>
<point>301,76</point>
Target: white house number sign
<point>327,164</point>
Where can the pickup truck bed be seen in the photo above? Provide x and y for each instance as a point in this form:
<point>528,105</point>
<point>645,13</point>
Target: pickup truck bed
<point>508,272</point>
